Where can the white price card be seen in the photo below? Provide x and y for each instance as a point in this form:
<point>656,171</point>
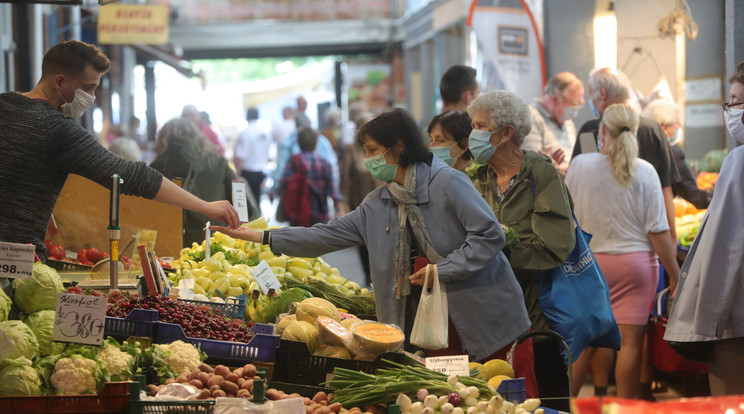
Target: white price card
<point>80,319</point>
<point>240,200</point>
<point>450,365</point>
<point>265,277</point>
<point>17,260</point>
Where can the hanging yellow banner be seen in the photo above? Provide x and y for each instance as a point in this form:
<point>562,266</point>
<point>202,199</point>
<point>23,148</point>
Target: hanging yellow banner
<point>128,24</point>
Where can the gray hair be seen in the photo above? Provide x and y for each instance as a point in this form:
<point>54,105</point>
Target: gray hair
<point>663,111</point>
<point>126,148</point>
<point>559,82</point>
<point>504,108</point>
<point>616,83</point>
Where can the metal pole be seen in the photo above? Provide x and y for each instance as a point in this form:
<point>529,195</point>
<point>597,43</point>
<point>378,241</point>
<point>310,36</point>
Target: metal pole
<point>114,231</point>
<point>75,30</point>
<point>37,41</point>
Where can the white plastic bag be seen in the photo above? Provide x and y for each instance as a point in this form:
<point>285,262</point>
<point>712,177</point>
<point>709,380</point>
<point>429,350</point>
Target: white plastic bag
<point>430,329</point>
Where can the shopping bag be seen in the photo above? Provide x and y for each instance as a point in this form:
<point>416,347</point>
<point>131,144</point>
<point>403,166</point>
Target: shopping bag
<point>662,354</point>
<point>575,299</point>
<point>430,329</point>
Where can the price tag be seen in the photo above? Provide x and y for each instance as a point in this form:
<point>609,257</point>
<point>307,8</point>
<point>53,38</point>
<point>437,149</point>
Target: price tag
<point>17,260</point>
<point>450,365</point>
<point>80,319</point>
<point>265,277</point>
<point>240,200</point>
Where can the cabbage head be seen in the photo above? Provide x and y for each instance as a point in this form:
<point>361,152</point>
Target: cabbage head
<point>42,324</point>
<point>17,340</point>
<point>38,292</point>
<point>5,303</point>
<point>19,378</point>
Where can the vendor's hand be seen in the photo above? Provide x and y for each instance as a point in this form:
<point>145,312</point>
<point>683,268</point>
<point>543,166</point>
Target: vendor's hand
<point>245,233</point>
<point>558,155</point>
<point>417,279</point>
<point>223,211</point>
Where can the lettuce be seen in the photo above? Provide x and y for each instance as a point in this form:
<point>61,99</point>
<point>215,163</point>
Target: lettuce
<point>38,292</point>
<point>17,340</point>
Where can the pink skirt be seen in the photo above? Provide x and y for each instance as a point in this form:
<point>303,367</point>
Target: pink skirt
<point>632,279</point>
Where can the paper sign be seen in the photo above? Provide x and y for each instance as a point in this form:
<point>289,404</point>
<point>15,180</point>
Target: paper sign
<point>265,277</point>
<point>80,319</point>
<point>17,260</point>
<point>240,200</point>
<point>450,365</point>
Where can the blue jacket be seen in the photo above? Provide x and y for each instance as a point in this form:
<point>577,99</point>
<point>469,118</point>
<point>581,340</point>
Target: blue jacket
<point>485,301</point>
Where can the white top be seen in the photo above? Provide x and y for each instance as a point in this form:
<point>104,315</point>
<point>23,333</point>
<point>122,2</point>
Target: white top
<point>546,135</point>
<point>283,130</point>
<point>618,218</point>
<point>253,146</point>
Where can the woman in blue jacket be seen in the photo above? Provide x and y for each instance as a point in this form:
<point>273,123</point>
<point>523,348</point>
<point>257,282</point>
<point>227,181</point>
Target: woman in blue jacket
<point>420,213</point>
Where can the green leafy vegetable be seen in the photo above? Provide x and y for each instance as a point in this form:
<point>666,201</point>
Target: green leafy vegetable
<point>42,325</point>
<point>38,292</point>
<point>5,304</point>
<point>19,378</point>
<point>17,340</point>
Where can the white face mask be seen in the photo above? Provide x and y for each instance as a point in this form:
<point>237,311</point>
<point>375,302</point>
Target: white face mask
<point>569,112</point>
<point>80,103</point>
<point>734,124</point>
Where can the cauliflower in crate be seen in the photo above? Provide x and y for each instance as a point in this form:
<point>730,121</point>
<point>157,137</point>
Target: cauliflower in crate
<point>75,375</point>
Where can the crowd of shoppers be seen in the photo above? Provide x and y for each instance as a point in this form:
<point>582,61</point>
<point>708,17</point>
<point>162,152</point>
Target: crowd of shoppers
<point>413,209</point>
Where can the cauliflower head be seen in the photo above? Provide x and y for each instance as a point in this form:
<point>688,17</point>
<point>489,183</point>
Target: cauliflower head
<point>115,361</point>
<point>74,375</point>
<point>181,356</point>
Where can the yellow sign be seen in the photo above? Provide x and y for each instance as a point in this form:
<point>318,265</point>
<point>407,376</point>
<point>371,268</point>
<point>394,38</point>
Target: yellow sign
<point>133,24</point>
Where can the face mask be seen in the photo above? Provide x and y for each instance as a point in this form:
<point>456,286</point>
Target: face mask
<point>594,110</point>
<point>379,168</point>
<point>676,138</point>
<point>570,112</point>
<point>80,103</point>
<point>480,144</point>
<point>734,124</point>
<point>444,154</point>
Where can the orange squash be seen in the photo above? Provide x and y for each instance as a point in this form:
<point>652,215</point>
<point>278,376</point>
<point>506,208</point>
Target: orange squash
<point>377,338</point>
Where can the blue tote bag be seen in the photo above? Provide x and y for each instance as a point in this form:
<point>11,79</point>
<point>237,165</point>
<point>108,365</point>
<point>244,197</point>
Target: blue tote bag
<point>576,301</point>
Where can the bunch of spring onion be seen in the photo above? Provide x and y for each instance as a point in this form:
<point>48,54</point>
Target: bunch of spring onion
<point>354,388</point>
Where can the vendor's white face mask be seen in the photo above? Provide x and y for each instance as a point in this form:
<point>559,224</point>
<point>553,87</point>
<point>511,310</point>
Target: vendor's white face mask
<point>80,103</point>
<point>734,123</point>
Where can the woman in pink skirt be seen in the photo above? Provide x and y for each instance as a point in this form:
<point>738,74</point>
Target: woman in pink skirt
<point>618,199</point>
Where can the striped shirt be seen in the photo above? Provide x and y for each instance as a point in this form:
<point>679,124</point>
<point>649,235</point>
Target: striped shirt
<point>39,148</point>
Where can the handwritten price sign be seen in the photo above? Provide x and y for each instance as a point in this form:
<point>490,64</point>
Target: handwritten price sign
<point>79,319</point>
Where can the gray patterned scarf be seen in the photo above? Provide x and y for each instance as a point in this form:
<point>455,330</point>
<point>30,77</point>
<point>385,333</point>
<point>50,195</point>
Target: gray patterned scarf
<point>409,212</point>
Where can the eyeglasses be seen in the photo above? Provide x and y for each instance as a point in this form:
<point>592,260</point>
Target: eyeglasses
<point>727,106</point>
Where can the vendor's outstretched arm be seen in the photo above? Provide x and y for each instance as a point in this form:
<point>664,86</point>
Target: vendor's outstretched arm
<point>170,193</point>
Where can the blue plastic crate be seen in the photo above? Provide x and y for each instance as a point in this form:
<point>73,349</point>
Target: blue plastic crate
<point>139,322</point>
<point>232,308</point>
<point>261,348</point>
<point>513,390</point>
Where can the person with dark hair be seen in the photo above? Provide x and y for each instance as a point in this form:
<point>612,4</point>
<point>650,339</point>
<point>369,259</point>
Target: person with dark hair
<point>319,173</point>
<point>458,88</point>
<point>42,146</point>
<point>182,151</point>
<point>252,152</point>
<point>708,313</point>
<point>419,216</point>
<point>449,134</point>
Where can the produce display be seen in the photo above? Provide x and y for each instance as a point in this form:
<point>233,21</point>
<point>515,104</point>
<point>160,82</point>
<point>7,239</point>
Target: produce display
<point>687,217</point>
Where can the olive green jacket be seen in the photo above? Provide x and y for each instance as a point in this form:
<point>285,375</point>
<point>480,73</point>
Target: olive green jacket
<point>542,219</point>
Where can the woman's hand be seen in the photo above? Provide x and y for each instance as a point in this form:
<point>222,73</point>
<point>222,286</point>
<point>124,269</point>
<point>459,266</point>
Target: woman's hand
<point>245,233</point>
<point>417,279</point>
<point>222,211</point>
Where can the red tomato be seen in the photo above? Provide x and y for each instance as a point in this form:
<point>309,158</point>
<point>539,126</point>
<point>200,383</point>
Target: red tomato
<point>82,257</point>
<point>57,252</point>
<point>93,255</point>
<point>48,244</point>
<point>105,255</point>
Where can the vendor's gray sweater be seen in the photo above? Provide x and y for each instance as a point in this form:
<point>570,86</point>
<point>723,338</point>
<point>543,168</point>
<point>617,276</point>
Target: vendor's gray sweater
<point>39,148</point>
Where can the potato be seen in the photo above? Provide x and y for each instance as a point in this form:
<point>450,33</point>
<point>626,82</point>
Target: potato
<point>324,402</point>
<point>169,381</point>
<point>273,394</point>
<point>370,408</point>
<point>244,394</point>
<point>205,368</point>
<point>295,395</point>
<point>330,397</point>
<point>194,373</point>
<point>320,396</point>
<point>247,385</point>
<point>240,382</point>
<point>218,393</point>
<point>215,380</point>
<point>322,410</point>
<point>308,410</point>
<point>197,384</point>
<point>214,387</point>
<point>232,377</point>
<point>204,377</point>
<point>307,401</point>
<point>335,407</point>
<point>152,389</point>
<point>182,379</point>
<point>249,371</point>
<point>204,394</point>
<point>221,370</point>
<point>238,371</point>
<point>229,387</point>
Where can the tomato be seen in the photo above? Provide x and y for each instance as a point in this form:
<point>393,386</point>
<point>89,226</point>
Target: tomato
<point>82,257</point>
<point>57,252</point>
<point>48,244</point>
<point>93,255</point>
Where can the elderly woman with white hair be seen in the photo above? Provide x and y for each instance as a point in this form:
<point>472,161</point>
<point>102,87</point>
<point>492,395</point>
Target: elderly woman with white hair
<point>666,113</point>
<point>527,194</point>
